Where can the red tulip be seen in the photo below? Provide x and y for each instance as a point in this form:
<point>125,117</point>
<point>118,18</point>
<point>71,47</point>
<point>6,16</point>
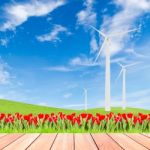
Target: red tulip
<point>46,116</point>
<point>117,118</point>
<point>124,116</point>
<point>40,116</point>
<point>2,115</point>
<point>130,115</point>
<point>143,117</point>
<point>69,117</point>
<point>83,115</point>
<point>27,117</point>
<point>100,117</point>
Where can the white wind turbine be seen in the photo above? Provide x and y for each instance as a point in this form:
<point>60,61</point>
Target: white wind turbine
<point>123,72</point>
<point>107,39</point>
<point>85,98</point>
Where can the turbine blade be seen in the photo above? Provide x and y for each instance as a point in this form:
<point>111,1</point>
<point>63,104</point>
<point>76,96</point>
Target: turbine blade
<point>119,75</point>
<point>133,64</point>
<point>120,65</point>
<point>122,33</point>
<point>100,51</point>
<point>100,32</point>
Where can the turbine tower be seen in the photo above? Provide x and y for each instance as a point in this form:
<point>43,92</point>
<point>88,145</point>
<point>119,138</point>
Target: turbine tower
<point>85,99</point>
<point>123,72</point>
<point>107,40</point>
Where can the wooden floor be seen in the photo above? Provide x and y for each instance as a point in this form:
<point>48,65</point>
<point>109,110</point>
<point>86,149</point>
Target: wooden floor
<point>74,141</point>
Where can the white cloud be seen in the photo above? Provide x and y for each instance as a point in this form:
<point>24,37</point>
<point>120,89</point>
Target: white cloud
<point>43,104</point>
<point>59,69</point>
<point>4,42</point>
<point>71,85</point>
<point>17,13</point>
<point>67,95</point>
<point>119,59</point>
<point>139,94</point>
<point>138,99</point>
<point>88,17</point>
<point>73,105</point>
<point>14,95</point>
<point>75,64</point>
<point>125,19</point>
<point>93,44</point>
<point>4,74</point>
<point>82,61</point>
<point>131,51</point>
<point>53,35</point>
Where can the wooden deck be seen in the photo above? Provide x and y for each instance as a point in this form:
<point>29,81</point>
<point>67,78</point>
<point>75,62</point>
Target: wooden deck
<point>74,141</point>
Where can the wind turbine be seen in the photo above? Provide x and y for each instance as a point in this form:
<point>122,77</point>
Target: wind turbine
<point>123,72</point>
<point>85,98</point>
<point>107,39</point>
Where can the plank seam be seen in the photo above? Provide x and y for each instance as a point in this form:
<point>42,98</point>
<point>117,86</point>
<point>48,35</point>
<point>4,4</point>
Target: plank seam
<point>94,141</point>
<point>13,141</point>
<point>73,141</point>
<point>145,135</point>
<point>115,141</point>
<point>136,141</point>
<point>53,141</point>
<point>32,141</point>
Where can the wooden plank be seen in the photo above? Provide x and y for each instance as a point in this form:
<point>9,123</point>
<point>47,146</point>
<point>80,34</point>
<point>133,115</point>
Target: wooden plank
<point>140,139</point>
<point>43,142</point>
<point>9,138</point>
<point>104,142</point>
<point>84,141</point>
<point>1,135</point>
<point>22,143</point>
<point>146,134</point>
<point>63,142</point>
<point>126,143</point>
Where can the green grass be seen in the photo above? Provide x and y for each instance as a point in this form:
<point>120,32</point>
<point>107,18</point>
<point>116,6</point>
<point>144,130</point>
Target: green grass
<point>7,106</point>
<point>119,110</point>
<point>49,130</point>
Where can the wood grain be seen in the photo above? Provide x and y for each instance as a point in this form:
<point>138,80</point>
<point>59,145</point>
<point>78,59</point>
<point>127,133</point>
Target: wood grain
<point>63,142</point>
<point>1,135</point>
<point>104,142</point>
<point>126,143</point>
<point>84,141</point>
<point>22,143</point>
<point>66,141</point>
<point>148,135</point>
<point>43,142</point>
<point>9,138</point>
<point>140,139</point>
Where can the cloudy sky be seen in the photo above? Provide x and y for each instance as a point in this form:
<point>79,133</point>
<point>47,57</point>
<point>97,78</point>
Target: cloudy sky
<point>47,50</point>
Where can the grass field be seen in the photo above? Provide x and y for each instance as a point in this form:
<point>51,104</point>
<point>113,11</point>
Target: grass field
<point>7,106</point>
<point>11,124</point>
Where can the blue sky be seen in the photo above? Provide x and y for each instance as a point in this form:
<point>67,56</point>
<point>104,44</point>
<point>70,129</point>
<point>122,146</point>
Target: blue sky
<point>47,50</point>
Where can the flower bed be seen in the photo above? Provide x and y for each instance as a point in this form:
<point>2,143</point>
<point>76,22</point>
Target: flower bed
<point>83,122</point>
